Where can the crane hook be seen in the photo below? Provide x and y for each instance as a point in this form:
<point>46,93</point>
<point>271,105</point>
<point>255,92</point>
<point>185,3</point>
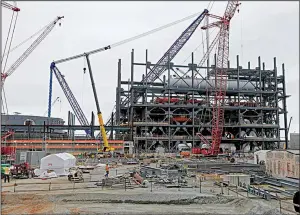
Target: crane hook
<point>84,70</point>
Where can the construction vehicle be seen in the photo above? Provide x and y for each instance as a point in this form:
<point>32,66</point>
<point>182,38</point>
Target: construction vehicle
<point>184,150</point>
<point>21,171</point>
<point>106,148</point>
<point>75,174</point>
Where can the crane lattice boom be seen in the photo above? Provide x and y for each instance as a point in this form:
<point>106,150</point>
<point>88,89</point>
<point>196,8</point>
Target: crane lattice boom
<point>70,96</point>
<point>32,47</point>
<point>159,68</point>
<point>220,76</point>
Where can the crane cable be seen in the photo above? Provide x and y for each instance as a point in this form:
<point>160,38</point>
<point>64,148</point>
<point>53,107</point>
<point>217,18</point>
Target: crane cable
<point>6,43</point>
<point>14,27</point>
<point>26,40</point>
<point>202,36</point>
<point>60,107</point>
<point>83,74</point>
<point>5,101</point>
<point>203,48</point>
<point>152,31</point>
<point>8,34</point>
<point>212,5</point>
<point>202,43</point>
<point>241,39</point>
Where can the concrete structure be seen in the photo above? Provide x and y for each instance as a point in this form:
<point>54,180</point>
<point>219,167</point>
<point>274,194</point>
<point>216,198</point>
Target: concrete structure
<point>241,180</point>
<point>176,107</point>
<point>260,157</point>
<point>294,141</point>
<point>128,147</point>
<point>283,164</point>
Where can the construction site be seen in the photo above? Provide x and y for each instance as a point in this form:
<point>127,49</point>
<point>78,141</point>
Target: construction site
<point>208,136</point>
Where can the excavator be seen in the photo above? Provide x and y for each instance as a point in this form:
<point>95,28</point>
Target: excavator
<point>105,150</point>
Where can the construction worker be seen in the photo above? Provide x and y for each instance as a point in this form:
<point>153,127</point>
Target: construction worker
<point>6,174</point>
<point>107,170</point>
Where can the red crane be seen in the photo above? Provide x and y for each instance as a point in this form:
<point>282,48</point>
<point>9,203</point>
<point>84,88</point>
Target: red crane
<point>220,77</point>
<point>9,6</point>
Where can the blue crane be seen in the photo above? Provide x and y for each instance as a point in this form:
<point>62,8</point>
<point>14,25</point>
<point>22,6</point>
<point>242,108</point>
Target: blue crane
<point>69,95</point>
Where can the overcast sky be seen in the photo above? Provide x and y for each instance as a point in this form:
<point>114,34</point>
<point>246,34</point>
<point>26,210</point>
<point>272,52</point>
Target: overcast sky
<point>266,29</point>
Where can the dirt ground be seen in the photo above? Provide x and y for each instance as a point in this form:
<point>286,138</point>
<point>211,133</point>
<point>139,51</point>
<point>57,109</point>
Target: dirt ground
<point>32,196</point>
<point>129,202</point>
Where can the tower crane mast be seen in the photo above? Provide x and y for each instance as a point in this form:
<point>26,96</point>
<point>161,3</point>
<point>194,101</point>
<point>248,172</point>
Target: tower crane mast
<point>220,76</point>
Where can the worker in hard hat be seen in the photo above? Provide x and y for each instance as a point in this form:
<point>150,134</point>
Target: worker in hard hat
<point>107,170</point>
<point>6,174</point>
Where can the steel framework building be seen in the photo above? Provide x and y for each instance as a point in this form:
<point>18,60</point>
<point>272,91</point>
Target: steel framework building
<point>179,105</point>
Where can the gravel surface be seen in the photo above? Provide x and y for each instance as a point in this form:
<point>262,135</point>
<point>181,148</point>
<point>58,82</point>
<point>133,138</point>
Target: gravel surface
<point>262,211</point>
<point>145,198</point>
<point>135,201</point>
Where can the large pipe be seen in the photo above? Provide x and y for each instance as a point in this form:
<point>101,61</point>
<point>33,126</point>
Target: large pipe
<point>202,84</point>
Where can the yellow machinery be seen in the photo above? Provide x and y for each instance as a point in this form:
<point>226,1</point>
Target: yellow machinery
<point>106,147</point>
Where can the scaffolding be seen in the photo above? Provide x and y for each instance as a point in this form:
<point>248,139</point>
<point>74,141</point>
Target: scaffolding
<point>179,105</point>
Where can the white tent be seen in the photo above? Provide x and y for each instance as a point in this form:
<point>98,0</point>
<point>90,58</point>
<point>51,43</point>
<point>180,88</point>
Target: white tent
<point>59,163</point>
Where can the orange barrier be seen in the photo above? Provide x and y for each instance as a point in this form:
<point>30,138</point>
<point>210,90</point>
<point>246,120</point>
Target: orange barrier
<point>62,141</point>
<point>63,147</point>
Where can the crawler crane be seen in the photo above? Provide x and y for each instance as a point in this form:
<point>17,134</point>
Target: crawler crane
<point>220,78</point>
